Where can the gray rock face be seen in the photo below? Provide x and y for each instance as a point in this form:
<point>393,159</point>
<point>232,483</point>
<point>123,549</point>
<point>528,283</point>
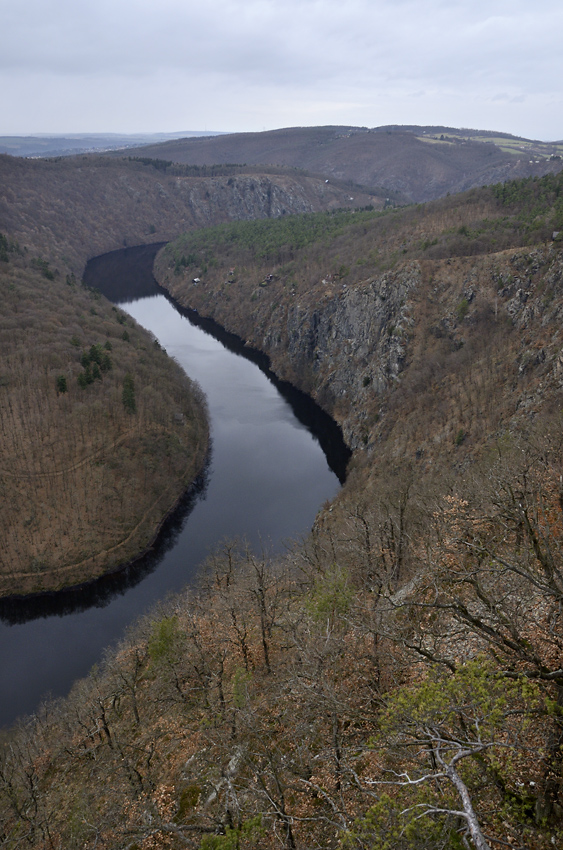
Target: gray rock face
<point>359,353</point>
<point>242,198</point>
<point>346,346</point>
<point>90,206</point>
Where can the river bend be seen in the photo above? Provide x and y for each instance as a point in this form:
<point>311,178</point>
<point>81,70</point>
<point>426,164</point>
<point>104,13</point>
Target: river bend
<point>266,479</point>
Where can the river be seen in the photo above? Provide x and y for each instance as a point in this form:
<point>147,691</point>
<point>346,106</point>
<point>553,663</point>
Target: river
<point>266,478</point>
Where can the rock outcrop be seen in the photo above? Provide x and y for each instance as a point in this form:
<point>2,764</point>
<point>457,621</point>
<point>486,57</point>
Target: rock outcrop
<point>419,354</point>
<point>76,208</point>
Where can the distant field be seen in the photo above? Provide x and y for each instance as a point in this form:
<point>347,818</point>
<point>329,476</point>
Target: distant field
<point>433,141</point>
<point>505,143</point>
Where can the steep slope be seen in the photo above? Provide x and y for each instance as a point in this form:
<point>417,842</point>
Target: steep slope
<point>102,433</point>
<point>83,206</point>
<point>379,310</point>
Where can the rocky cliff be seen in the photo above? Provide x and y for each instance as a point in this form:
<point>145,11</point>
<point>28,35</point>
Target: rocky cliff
<point>342,348</point>
<point>428,356</point>
<point>72,209</point>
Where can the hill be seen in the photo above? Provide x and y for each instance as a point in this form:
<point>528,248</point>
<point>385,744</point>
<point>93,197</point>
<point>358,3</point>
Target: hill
<point>417,163</point>
<point>101,431</point>
<point>355,307</point>
<point>395,681</point>
<point>82,206</point>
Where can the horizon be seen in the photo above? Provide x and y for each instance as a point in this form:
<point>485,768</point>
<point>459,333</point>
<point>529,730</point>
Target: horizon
<point>180,134</point>
<point>257,65</point>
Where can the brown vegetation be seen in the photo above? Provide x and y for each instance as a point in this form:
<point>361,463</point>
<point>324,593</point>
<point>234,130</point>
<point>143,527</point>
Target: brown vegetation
<point>70,209</point>
<point>326,701</point>
<point>396,681</point>
<point>87,473</point>
<point>86,482</point>
<point>422,331</point>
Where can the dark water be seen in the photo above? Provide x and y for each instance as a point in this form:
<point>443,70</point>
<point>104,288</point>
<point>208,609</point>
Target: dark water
<point>266,479</point>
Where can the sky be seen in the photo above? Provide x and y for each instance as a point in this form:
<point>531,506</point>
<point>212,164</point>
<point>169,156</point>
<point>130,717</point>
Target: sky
<point>130,66</point>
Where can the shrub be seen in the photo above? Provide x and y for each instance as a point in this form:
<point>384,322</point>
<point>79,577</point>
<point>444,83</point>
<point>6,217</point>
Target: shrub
<point>61,384</point>
<point>462,309</point>
<point>460,437</point>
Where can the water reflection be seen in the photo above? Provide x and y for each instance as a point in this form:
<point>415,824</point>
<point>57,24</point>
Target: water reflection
<point>126,276</point>
<point>266,479</point>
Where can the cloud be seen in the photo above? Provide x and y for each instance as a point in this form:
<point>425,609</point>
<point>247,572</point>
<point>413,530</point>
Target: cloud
<point>341,59</point>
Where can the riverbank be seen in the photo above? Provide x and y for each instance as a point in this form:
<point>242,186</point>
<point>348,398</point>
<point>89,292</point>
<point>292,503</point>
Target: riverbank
<point>422,340</point>
<point>102,432</point>
<point>266,479</point>
<point>419,623</point>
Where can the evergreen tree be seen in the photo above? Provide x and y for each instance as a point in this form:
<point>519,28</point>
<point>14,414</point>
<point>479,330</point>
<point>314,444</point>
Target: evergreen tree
<point>128,394</point>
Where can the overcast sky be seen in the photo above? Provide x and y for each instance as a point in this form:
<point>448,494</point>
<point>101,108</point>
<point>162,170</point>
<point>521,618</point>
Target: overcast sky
<point>170,65</point>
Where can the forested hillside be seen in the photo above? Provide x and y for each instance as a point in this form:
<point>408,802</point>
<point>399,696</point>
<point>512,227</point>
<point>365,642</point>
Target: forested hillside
<point>409,164</point>
<point>101,431</point>
<point>395,681</point>
<point>72,208</point>
<point>379,315</point>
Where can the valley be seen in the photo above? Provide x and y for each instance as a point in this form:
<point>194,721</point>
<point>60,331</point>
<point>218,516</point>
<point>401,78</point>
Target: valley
<point>393,680</point>
<point>76,456</point>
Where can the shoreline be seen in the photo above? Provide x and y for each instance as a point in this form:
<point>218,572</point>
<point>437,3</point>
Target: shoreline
<point>61,598</point>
